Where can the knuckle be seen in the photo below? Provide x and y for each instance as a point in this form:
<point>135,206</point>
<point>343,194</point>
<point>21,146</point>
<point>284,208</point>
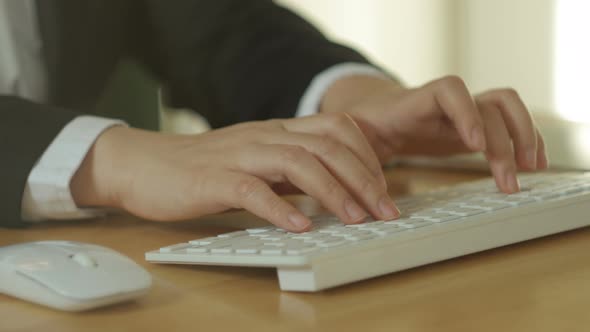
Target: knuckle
<point>274,123</point>
<point>489,110</point>
<point>451,82</point>
<point>501,95</point>
<point>328,146</point>
<point>292,154</point>
<point>248,187</point>
<point>339,120</point>
<point>248,126</point>
<point>509,93</point>
<point>332,188</point>
<point>368,185</point>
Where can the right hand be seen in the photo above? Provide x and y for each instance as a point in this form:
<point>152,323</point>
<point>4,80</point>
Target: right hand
<point>176,177</point>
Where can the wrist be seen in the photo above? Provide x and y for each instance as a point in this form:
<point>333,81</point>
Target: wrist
<point>96,182</point>
<point>349,91</point>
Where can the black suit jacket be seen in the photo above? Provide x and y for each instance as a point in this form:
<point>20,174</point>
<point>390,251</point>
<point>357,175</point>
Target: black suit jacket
<point>233,60</point>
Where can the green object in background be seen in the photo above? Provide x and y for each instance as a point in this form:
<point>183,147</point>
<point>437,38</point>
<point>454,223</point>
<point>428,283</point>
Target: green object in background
<point>131,95</point>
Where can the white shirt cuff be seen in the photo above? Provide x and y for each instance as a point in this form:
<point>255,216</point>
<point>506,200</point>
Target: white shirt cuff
<point>47,192</point>
<point>312,97</point>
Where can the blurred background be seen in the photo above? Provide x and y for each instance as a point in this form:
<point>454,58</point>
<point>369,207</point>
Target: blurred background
<point>538,47</point>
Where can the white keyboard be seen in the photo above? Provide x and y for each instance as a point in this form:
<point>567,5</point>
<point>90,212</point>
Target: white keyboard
<point>438,225</point>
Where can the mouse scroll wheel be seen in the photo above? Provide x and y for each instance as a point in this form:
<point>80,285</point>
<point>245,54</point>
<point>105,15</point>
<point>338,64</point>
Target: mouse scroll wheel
<point>84,259</point>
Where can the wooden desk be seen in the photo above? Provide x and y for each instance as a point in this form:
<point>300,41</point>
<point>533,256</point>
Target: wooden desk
<point>540,285</point>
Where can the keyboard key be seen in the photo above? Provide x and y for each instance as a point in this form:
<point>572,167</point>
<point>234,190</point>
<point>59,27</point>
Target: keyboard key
<point>330,244</point>
<point>442,217</point>
<point>259,230</point>
<point>300,251</point>
<point>381,232</point>
<point>270,251</point>
<point>233,234</point>
<point>174,247</point>
<point>245,251</point>
<point>197,250</point>
<point>489,206</point>
<point>464,212</point>
<point>204,241</point>
<point>225,250</point>
<point>274,244</point>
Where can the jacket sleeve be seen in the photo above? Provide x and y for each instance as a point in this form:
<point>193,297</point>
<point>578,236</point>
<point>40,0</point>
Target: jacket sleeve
<point>26,130</point>
<point>233,60</point>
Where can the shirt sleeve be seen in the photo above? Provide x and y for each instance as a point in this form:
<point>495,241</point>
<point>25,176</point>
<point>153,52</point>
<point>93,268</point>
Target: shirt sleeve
<point>47,191</point>
<point>312,97</point>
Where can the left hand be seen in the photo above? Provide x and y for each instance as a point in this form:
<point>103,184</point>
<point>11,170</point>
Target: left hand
<point>443,118</point>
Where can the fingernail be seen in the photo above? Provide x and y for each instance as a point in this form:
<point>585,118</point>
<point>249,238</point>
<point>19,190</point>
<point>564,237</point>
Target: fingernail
<point>388,208</point>
<point>478,140</point>
<point>531,159</point>
<point>354,211</point>
<point>512,183</point>
<point>298,220</point>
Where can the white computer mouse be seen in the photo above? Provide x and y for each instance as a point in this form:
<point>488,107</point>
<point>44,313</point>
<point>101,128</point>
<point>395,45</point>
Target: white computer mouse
<point>70,276</point>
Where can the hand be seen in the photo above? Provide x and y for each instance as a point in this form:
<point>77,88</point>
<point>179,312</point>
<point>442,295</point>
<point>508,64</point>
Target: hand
<point>174,177</point>
<point>442,118</point>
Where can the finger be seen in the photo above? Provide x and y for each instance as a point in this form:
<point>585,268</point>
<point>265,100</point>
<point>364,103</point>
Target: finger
<point>499,151</point>
<point>519,123</point>
<point>383,147</point>
<point>298,166</point>
<point>451,96</point>
<point>341,127</point>
<point>542,159</point>
<point>252,194</point>
<point>347,169</point>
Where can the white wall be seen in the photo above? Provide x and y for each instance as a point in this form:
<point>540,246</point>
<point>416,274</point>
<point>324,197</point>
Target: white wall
<point>572,59</point>
<point>414,39</point>
<point>490,43</point>
<point>508,43</point>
